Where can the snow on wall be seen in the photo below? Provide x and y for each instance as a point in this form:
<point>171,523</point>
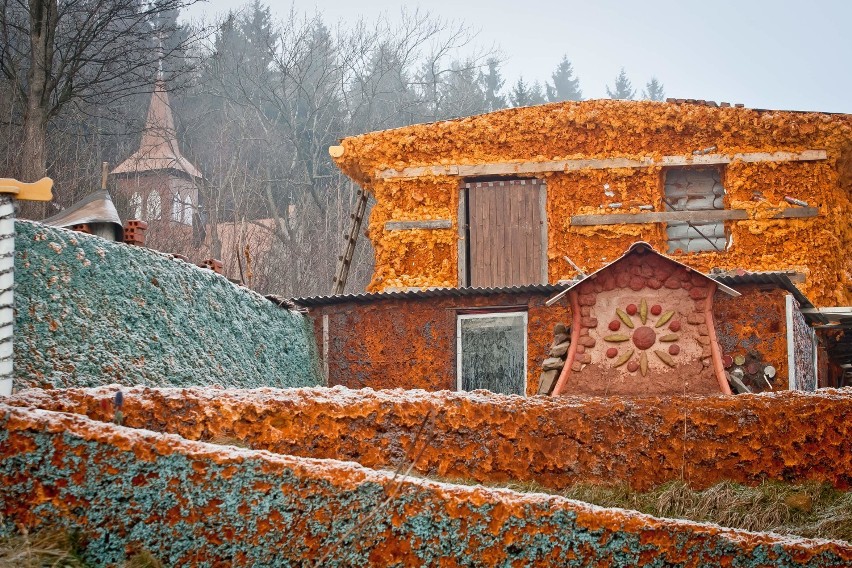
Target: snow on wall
<point>555,442</point>
<point>196,504</point>
<point>93,312</point>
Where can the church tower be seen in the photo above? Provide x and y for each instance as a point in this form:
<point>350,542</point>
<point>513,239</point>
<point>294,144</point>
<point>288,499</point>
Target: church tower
<point>158,183</point>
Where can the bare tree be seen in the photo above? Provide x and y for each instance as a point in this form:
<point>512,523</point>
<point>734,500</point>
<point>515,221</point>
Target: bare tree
<point>275,97</point>
<point>257,106</point>
<point>89,54</point>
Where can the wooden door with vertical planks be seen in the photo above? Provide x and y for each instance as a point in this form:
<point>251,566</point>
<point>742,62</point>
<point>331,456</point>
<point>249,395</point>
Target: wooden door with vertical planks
<point>506,235</point>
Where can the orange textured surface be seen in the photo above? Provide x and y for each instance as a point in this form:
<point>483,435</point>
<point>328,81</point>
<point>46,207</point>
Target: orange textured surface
<point>193,504</point>
<point>760,336</point>
<point>555,442</point>
<point>820,247</point>
<point>681,298</point>
<point>411,343</point>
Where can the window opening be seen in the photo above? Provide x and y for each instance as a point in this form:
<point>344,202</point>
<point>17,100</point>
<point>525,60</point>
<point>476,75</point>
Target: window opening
<point>695,189</point>
<point>492,352</point>
<point>177,208</point>
<point>154,206</point>
<point>136,205</point>
<point>187,210</point>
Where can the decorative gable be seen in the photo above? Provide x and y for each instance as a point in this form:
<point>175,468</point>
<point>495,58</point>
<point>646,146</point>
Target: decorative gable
<point>643,325</point>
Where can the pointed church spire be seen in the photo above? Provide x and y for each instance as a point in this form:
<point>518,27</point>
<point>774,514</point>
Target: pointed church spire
<point>158,149</point>
<point>160,56</point>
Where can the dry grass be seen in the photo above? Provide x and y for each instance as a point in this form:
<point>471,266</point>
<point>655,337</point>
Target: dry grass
<point>143,560</point>
<point>55,548</point>
<point>811,510</point>
<point>228,441</point>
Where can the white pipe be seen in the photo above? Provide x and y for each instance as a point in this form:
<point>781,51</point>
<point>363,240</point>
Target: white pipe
<point>7,300</point>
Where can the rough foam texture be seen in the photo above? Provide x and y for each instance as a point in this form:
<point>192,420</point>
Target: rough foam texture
<point>820,247</point>
<point>556,442</point>
<point>635,368</point>
<point>195,504</point>
<point>754,326</point>
<point>93,312</point>
<point>411,343</point>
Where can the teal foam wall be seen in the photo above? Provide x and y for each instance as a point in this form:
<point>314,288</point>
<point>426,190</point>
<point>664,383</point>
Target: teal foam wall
<point>91,312</point>
<point>196,504</point>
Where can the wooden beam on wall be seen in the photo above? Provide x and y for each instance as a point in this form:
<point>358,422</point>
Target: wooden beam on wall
<point>462,237</point>
<point>425,224</point>
<point>684,216</point>
<point>521,168</point>
<point>797,213</point>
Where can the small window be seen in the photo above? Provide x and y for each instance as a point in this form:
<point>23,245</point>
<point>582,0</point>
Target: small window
<point>695,189</point>
<point>136,205</point>
<point>187,211</point>
<point>492,352</point>
<point>154,206</point>
<point>177,208</point>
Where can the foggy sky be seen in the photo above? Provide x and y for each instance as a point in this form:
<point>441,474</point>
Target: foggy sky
<point>779,54</point>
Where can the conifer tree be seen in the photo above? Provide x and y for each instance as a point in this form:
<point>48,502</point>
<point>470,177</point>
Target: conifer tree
<point>492,83</point>
<point>537,94</point>
<point>462,94</point>
<point>524,94</point>
<point>565,87</point>
<point>653,90</point>
<point>623,87</point>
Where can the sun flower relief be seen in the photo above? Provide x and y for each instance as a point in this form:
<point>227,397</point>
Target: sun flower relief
<point>644,337</point>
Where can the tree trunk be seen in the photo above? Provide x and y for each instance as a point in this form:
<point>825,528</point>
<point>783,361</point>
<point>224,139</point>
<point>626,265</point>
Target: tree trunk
<point>43,22</point>
<point>33,154</point>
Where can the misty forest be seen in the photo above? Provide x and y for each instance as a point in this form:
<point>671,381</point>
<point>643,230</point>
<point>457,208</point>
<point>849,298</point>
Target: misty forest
<point>257,101</point>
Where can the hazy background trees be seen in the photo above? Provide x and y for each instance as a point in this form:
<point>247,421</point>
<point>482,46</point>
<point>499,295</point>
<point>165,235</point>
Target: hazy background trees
<point>622,88</point>
<point>257,103</point>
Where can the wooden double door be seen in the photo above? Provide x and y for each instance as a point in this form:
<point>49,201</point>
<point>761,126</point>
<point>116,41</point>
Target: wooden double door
<point>506,233</point>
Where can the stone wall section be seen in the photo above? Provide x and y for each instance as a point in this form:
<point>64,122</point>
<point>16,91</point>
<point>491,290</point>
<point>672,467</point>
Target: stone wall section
<point>556,357</point>
<point>753,329</point>
<point>196,504</point>
<point>553,441</point>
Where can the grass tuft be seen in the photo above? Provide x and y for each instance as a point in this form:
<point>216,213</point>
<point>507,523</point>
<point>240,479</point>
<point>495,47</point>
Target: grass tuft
<point>811,510</point>
<point>228,441</point>
<point>53,548</point>
<point>143,559</point>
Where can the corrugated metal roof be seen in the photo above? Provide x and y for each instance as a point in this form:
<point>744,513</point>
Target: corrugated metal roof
<point>780,279</point>
<point>425,293</point>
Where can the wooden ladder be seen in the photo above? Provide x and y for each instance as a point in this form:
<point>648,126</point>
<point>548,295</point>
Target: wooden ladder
<point>345,260</point>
